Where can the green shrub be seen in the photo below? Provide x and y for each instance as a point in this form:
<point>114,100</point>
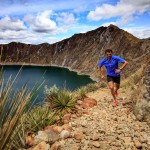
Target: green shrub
<point>60,100</point>
<point>38,118</point>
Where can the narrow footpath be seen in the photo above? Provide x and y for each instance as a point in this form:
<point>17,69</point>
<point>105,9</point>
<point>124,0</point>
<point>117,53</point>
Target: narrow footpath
<point>104,127</point>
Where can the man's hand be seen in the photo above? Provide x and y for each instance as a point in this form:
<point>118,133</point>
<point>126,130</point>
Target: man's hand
<point>117,71</point>
<point>101,73</point>
<point>103,77</point>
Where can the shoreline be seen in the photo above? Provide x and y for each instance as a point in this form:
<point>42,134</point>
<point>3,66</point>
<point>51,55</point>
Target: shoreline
<point>48,65</point>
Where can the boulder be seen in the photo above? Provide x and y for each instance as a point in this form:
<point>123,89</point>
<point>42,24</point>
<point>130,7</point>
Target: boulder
<point>88,103</point>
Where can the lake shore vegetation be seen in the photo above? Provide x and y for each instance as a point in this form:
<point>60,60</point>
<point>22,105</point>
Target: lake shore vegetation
<point>19,120</point>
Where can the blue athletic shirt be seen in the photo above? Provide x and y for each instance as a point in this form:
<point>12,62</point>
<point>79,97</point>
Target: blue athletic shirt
<point>111,65</point>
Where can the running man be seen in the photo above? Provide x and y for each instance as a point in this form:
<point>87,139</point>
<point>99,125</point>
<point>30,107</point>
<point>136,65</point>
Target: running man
<point>113,72</point>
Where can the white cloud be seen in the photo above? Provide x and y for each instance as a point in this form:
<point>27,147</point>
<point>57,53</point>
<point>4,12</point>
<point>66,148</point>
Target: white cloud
<point>41,26</point>
<point>41,22</point>
<point>66,18</point>
<point>26,37</point>
<point>7,23</point>
<point>124,9</point>
<point>138,31</point>
<point>12,35</point>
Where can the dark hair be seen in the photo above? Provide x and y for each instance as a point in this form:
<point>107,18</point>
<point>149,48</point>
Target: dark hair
<point>108,50</point>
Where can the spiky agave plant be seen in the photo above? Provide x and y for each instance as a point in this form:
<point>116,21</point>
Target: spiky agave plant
<point>12,107</point>
<point>61,100</point>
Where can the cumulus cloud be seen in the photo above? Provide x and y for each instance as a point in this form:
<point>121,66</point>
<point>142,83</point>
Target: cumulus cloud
<point>124,9</point>
<point>138,31</point>
<point>41,22</point>
<point>7,23</point>
<point>26,37</point>
<point>66,18</point>
<point>15,30</point>
<point>13,35</point>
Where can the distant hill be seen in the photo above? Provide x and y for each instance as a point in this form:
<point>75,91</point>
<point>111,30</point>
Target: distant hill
<point>81,52</point>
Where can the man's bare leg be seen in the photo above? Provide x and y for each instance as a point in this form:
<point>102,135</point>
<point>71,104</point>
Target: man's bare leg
<point>116,88</point>
<point>111,87</point>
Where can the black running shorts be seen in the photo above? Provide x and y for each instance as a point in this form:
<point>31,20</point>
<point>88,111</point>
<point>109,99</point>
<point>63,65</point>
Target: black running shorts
<point>114,79</point>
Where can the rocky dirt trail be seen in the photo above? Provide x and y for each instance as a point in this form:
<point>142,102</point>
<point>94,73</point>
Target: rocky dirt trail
<point>105,127</point>
<point>97,127</point>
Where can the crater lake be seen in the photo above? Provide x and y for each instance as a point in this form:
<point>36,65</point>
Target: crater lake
<point>30,75</point>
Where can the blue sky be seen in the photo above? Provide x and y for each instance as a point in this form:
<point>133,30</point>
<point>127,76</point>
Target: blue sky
<point>40,21</point>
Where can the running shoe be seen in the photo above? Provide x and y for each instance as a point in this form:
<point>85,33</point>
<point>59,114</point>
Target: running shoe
<point>115,103</point>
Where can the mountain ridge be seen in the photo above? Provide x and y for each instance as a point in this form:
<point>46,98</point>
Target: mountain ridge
<point>81,52</point>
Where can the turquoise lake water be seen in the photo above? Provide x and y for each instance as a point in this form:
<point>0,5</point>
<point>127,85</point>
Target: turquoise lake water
<point>61,77</point>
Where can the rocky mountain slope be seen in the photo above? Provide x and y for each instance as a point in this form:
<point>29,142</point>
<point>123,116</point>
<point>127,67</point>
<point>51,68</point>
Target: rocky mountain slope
<point>141,97</point>
<point>81,52</point>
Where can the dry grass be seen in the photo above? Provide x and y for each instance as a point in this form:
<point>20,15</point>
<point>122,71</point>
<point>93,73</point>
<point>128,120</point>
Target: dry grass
<point>133,80</point>
<point>12,107</point>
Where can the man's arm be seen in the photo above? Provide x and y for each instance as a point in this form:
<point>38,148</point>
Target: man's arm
<point>123,66</point>
<point>101,73</point>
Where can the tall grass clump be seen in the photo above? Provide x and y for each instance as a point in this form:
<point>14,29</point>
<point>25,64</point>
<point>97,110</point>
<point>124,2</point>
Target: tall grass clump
<point>81,92</point>
<point>60,100</point>
<point>30,123</point>
<point>38,118</point>
<point>92,87</point>
<point>12,107</point>
<point>133,80</point>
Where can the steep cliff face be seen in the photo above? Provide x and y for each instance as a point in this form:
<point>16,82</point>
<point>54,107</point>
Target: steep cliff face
<point>141,96</point>
<point>81,52</point>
